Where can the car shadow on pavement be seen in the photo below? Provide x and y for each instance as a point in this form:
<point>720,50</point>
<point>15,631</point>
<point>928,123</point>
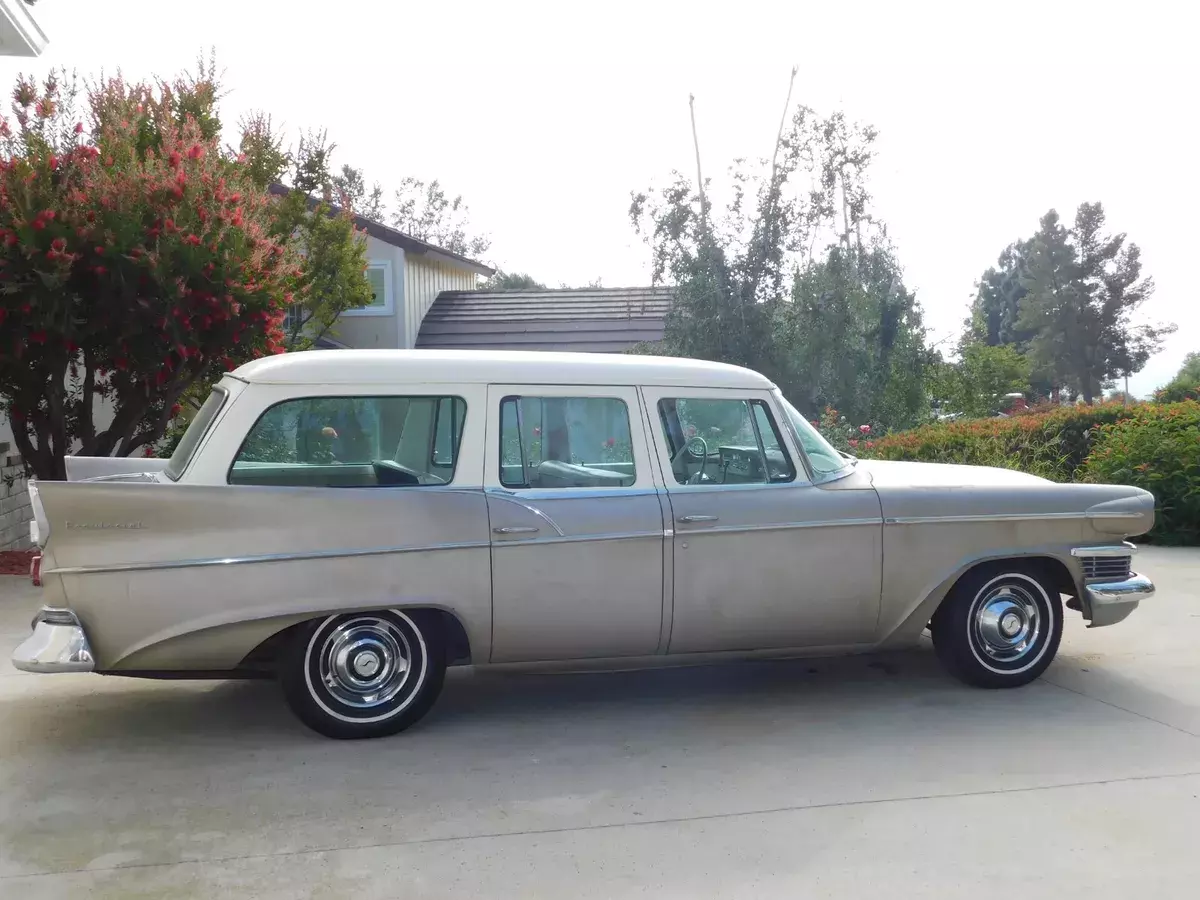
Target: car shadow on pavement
<point>476,703</point>
<point>90,711</point>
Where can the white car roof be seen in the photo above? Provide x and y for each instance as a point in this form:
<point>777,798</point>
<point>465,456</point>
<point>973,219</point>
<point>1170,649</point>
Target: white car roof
<point>492,367</point>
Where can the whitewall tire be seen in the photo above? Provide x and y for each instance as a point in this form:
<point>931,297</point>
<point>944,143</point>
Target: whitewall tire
<point>367,674</point>
<point>1000,625</point>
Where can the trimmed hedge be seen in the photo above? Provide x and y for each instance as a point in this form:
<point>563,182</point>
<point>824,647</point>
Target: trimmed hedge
<point>1155,446</point>
<point>1157,449</point>
<point>1052,443</point>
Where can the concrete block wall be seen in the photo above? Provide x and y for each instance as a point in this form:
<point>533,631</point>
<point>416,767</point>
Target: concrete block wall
<point>15,509</point>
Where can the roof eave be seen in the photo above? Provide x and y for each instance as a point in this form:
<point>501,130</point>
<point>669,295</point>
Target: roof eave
<point>406,242</point>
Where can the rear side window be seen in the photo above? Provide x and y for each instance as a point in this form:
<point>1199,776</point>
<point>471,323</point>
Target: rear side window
<point>565,442</point>
<point>408,441</point>
<point>186,448</point>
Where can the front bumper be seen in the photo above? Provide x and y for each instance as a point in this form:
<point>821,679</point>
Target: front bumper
<point>58,644</point>
<point>1112,601</point>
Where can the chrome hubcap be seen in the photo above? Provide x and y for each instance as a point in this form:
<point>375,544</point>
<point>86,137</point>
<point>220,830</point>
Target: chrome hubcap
<point>364,662</point>
<point>1006,623</point>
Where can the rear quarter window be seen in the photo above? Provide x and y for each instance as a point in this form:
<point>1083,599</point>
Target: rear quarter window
<point>201,422</point>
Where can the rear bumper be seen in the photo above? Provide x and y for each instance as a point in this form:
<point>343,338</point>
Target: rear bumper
<point>58,644</point>
<point>1110,602</point>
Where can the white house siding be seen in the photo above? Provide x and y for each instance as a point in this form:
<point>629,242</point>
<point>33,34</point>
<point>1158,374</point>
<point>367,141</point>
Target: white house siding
<point>370,329</point>
<point>427,277</point>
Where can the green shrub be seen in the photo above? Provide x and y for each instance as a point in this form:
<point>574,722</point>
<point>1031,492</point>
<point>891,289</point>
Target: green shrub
<point>1052,443</point>
<point>1157,449</point>
<point>1176,392</point>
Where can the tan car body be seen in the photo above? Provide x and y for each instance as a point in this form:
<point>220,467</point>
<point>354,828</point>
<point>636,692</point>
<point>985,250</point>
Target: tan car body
<point>193,576</point>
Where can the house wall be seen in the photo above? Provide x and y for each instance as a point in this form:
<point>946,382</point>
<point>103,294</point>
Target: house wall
<point>371,329</point>
<point>426,278</point>
<point>15,509</point>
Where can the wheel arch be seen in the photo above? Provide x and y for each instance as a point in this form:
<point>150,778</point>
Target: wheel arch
<point>1047,562</point>
<point>264,656</point>
<point>1054,570</point>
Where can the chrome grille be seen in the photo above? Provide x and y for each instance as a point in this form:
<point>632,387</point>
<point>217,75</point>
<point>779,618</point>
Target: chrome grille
<point>1105,568</point>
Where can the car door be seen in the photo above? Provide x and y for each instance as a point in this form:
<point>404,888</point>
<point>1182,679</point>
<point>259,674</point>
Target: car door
<point>576,522</point>
<point>762,557</point>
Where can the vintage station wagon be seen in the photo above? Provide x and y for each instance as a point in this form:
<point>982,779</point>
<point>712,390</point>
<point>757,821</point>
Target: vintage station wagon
<point>352,522</point>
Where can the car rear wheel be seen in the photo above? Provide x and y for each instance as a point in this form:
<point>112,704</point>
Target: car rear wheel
<point>1000,625</point>
<point>363,675</point>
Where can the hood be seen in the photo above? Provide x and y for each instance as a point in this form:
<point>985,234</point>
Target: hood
<point>889,473</point>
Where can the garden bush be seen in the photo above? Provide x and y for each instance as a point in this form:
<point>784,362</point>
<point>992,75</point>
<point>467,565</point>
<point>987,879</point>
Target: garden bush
<point>1158,449</point>
<point>1051,443</point>
<point>1175,392</point>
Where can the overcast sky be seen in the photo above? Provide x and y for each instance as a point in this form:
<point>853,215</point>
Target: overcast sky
<point>545,116</point>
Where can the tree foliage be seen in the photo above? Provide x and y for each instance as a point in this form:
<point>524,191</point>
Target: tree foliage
<point>318,220</point>
<point>794,276</point>
<point>1188,376</point>
<point>352,188</point>
<point>975,385</point>
<point>424,211</point>
<point>137,259</point>
<point>511,281</point>
<point>1067,298</point>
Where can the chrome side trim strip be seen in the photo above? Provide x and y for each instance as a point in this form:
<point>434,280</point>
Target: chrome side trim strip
<point>1002,517</point>
<point>584,538</point>
<point>1124,549</point>
<point>777,526</point>
<point>794,484</point>
<point>262,558</point>
<point>571,493</point>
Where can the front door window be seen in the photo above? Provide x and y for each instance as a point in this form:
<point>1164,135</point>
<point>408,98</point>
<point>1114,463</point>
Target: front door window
<point>723,441</point>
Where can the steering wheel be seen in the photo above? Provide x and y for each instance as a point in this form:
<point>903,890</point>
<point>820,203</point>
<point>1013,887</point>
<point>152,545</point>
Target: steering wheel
<point>695,446</point>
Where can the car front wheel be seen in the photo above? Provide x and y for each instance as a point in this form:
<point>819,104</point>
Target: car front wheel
<point>363,675</point>
<point>1000,626</point>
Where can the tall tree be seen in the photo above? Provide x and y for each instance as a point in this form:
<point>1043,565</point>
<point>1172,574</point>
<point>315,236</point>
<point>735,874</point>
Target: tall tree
<point>424,211</point>
<point>352,192</point>
<point>855,339</point>
<point>1083,288</point>
<point>332,253</point>
<point>833,325</point>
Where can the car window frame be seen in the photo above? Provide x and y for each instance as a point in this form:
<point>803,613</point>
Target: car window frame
<point>646,475</point>
<point>295,398</point>
<point>456,429</point>
<point>204,427</point>
<point>652,394</point>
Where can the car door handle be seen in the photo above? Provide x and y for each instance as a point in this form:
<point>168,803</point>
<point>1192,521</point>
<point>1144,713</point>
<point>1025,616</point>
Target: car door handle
<point>516,529</point>
<point>688,520</point>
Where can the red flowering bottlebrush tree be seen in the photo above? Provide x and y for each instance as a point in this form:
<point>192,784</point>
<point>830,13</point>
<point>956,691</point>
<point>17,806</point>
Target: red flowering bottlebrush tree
<point>135,261</point>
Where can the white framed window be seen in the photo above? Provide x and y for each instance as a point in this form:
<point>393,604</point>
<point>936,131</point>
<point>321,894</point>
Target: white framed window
<point>379,274</point>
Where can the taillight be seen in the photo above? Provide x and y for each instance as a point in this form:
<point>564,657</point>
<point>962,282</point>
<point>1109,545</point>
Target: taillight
<point>35,570</point>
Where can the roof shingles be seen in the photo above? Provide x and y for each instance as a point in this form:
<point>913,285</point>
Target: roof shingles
<point>598,320</point>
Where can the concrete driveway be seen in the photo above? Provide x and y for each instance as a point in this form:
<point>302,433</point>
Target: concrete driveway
<point>866,777</point>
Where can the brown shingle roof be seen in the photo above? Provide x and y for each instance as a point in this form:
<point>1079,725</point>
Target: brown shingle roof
<point>602,320</point>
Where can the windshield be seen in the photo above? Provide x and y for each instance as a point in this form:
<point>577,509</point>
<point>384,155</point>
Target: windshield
<point>821,455</point>
<point>187,445</point>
